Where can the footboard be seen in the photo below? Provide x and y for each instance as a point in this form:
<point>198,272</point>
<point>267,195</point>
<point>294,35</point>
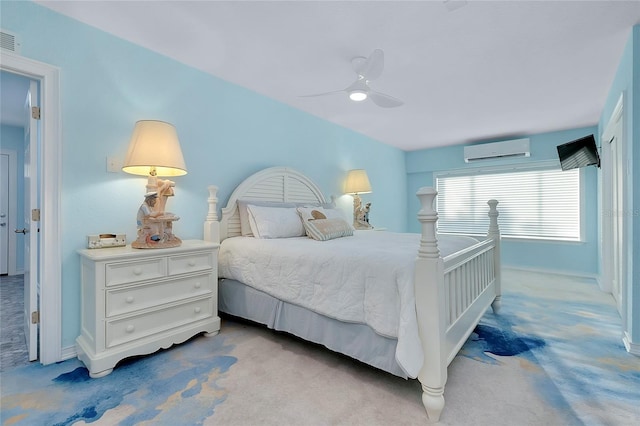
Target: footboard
<point>471,279</point>
<point>451,294</point>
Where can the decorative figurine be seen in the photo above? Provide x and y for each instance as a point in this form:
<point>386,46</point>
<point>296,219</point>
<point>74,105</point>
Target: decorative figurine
<point>362,217</point>
<point>155,226</point>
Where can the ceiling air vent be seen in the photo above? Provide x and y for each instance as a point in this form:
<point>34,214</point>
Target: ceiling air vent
<point>9,41</point>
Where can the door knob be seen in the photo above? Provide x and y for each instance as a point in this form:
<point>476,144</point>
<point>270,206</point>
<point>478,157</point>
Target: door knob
<point>21,231</point>
<point>3,224</point>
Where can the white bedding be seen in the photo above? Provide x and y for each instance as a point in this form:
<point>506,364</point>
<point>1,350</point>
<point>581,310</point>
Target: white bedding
<point>367,278</point>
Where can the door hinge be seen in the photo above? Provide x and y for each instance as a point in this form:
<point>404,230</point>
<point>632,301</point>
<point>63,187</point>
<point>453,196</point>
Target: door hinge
<point>35,113</point>
<point>35,317</point>
<point>35,215</point>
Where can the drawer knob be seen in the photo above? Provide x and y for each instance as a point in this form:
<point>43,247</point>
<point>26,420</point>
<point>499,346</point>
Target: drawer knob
<point>129,299</point>
<point>130,329</point>
<point>197,309</point>
<point>192,262</point>
<point>198,285</point>
<point>137,271</point>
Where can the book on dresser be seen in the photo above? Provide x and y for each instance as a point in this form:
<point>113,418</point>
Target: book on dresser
<point>137,301</point>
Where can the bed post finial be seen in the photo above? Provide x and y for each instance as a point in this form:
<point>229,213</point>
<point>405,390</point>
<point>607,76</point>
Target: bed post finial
<point>430,300</point>
<point>493,219</point>
<point>428,218</point>
<point>211,224</point>
<point>494,232</point>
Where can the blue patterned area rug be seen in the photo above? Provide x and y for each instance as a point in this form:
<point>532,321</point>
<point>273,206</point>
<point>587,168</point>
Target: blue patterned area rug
<point>553,356</point>
<point>175,386</point>
<point>567,334</point>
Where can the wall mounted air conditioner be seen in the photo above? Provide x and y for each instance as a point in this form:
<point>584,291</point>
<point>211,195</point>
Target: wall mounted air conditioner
<point>495,150</point>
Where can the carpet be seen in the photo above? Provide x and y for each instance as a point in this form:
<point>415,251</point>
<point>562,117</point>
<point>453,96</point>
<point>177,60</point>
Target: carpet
<point>13,347</point>
<point>553,356</point>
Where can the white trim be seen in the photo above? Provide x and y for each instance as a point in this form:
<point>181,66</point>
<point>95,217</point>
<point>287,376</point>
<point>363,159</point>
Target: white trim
<point>632,348</point>
<point>50,183</point>
<point>68,352</point>
<point>616,116</point>
<point>625,281</point>
<point>567,273</point>
<point>13,200</point>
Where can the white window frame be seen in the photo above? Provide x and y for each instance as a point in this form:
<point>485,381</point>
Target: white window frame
<point>533,166</point>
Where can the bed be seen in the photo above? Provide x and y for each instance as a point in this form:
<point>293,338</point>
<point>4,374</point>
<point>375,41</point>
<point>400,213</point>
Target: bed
<point>413,299</point>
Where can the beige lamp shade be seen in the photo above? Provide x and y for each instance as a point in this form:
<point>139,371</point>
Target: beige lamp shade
<point>357,182</point>
<point>154,149</point>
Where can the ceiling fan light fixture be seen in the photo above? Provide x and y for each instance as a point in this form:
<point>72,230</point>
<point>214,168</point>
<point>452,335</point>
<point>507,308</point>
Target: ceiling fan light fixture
<point>357,95</point>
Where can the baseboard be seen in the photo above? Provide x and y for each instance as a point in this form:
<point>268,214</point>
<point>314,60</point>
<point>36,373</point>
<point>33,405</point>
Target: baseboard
<point>594,277</point>
<point>632,348</point>
<point>68,353</point>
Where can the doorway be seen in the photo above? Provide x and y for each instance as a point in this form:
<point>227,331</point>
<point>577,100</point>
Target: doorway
<point>48,265</point>
<point>14,91</point>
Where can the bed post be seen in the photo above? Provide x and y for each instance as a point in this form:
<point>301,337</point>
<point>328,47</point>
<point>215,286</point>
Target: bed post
<point>211,223</point>
<point>494,232</point>
<point>430,308</point>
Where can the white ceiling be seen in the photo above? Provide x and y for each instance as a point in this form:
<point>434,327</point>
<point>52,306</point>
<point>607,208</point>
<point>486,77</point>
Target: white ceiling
<point>466,70</point>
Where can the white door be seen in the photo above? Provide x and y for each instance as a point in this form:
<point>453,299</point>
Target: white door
<point>31,224</point>
<point>4,214</point>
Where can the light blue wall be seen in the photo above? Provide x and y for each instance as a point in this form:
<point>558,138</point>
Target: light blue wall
<point>226,133</point>
<point>12,138</point>
<point>572,257</point>
<point>627,81</point>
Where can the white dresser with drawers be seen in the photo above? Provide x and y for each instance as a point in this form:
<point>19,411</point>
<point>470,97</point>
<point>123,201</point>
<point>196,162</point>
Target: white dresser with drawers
<point>137,301</point>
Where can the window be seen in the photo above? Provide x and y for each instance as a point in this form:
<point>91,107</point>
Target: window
<point>540,203</point>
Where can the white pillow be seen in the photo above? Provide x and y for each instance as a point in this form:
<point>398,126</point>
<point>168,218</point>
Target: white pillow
<point>245,227</point>
<point>274,222</point>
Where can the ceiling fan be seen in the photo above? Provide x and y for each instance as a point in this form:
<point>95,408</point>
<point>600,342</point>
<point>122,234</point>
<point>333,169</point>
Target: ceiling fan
<point>367,69</point>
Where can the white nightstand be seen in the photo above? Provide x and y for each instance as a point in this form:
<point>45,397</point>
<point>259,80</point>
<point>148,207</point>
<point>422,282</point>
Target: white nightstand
<point>137,301</point>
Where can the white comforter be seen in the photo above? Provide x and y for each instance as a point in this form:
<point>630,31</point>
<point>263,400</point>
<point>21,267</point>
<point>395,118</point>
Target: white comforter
<point>367,278</point>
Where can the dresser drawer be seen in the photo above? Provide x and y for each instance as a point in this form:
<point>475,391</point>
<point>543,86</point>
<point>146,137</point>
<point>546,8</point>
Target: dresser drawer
<point>136,327</point>
<point>193,262</point>
<point>131,272</point>
<point>130,299</point>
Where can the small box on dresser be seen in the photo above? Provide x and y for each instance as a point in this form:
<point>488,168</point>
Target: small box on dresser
<point>137,301</point>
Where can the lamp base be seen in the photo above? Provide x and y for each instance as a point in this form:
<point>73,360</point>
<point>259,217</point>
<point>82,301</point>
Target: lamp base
<point>173,242</point>
<point>360,214</point>
<point>157,233</point>
<point>362,226</point>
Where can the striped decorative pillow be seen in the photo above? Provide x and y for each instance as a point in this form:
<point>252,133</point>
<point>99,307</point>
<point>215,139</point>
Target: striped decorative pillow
<point>327,229</point>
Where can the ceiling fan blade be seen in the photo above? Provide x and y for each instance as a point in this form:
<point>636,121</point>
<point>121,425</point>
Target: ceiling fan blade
<point>321,94</point>
<point>372,67</point>
<point>384,101</point>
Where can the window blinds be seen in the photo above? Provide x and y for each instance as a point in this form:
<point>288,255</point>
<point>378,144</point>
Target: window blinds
<point>532,203</point>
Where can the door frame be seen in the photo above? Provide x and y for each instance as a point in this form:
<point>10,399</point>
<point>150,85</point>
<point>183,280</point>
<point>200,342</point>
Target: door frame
<point>50,179</point>
<point>617,119</point>
<point>12,155</point>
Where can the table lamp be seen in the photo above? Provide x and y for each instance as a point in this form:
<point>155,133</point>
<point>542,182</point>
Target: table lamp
<point>154,151</point>
<point>358,183</point>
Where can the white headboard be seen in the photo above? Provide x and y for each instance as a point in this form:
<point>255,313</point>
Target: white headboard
<point>272,184</point>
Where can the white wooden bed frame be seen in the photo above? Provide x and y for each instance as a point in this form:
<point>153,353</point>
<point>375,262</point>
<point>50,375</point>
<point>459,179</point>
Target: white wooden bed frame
<point>451,293</point>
